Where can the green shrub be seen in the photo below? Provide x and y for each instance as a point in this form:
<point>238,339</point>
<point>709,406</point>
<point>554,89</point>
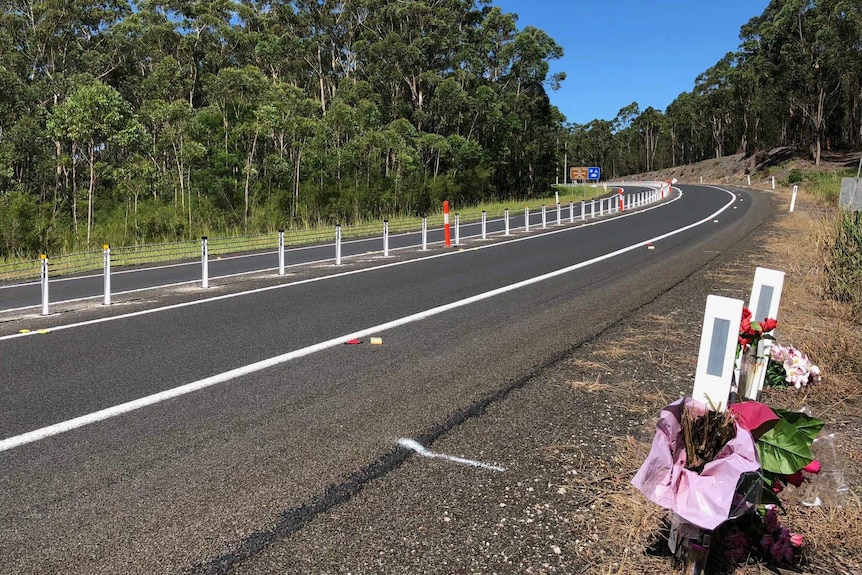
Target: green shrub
<point>825,185</point>
<point>795,176</point>
<point>844,261</point>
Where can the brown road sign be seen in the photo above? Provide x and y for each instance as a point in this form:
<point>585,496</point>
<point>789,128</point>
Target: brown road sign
<point>577,173</point>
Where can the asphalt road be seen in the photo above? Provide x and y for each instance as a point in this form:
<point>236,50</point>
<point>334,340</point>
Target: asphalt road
<point>203,481</point>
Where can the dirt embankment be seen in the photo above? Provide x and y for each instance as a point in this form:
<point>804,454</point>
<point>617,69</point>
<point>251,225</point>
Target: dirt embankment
<point>759,167</point>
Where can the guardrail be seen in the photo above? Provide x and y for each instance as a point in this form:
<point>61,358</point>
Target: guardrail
<point>130,256</point>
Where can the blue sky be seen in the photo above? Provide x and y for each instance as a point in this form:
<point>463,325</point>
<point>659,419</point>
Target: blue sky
<point>623,51</point>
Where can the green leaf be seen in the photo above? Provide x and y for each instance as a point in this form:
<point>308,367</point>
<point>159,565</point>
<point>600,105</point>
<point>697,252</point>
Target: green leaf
<point>767,497</point>
<point>804,423</point>
<point>784,449</point>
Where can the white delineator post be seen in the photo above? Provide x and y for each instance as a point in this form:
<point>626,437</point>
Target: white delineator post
<point>44,258</point>
<point>385,238</point>
<point>527,219</point>
<point>793,198</point>
<point>424,234</point>
<point>544,216</point>
<point>583,210</point>
<point>484,224</point>
<point>559,214</point>
<point>457,229</point>
<point>281,252</point>
<point>764,302</point>
<point>572,212</point>
<point>205,264</point>
<point>773,182</point>
<point>338,244</point>
<point>506,221</point>
<point>716,358</point>
<point>106,268</point>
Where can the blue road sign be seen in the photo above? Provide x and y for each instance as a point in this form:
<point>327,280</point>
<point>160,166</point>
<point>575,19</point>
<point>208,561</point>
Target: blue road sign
<point>594,173</point>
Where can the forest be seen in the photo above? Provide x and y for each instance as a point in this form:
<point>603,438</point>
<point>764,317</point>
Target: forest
<point>135,122</point>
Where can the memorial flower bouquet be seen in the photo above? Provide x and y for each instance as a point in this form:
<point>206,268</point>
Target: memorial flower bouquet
<point>790,367</point>
<point>783,441</point>
<point>751,332</point>
<point>714,470</point>
<point>762,537</point>
<point>753,353</point>
<point>696,461</point>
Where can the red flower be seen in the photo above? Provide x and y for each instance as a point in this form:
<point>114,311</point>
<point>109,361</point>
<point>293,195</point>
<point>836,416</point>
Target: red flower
<point>768,324</point>
<point>796,479</point>
<point>813,467</point>
<point>745,324</point>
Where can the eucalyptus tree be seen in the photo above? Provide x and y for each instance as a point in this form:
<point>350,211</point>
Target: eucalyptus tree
<point>713,89</point>
<point>94,117</point>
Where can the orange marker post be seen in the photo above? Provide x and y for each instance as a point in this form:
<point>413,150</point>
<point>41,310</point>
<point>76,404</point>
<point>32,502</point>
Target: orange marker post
<point>622,208</point>
<point>446,232</point>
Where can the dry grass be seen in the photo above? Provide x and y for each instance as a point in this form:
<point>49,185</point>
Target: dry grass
<point>589,386</point>
<point>589,365</point>
<point>619,514</point>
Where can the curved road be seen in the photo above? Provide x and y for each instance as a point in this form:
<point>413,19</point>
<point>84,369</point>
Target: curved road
<point>252,415</point>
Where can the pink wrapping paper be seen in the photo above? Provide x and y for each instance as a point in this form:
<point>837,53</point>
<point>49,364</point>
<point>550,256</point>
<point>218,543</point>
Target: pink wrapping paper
<point>703,499</point>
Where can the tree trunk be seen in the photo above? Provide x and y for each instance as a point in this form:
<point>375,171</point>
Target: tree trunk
<point>296,182</point>
<point>248,177</point>
<point>90,191</point>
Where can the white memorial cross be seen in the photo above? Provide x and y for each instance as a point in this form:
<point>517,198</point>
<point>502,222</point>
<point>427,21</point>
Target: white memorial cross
<point>713,378</point>
<point>764,302</point>
<point>715,360</point>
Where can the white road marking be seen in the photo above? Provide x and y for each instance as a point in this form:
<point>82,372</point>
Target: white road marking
<point>322,278</point>
<point>421,450</point>
<point>101,415</point>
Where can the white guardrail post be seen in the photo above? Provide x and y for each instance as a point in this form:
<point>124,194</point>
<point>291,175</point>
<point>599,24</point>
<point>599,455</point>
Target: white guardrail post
<point>506,221</point>
<point>457,229</point>
<point>424,234</point>
<point>281,252</point>
<point>205,264</point>
<point>106,267</point>
<point>544,216</point>
<point>338,244</point>
<point>385,238</point>
<point>44,258</point>
<point>484,224</point>
<point>572,212</point>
